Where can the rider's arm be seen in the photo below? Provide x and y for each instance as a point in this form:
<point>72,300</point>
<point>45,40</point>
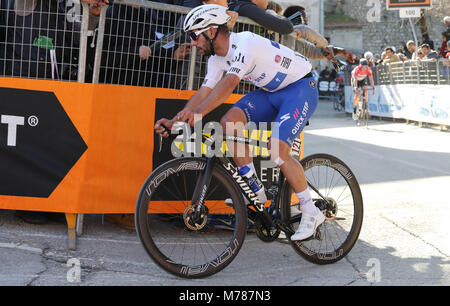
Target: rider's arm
<point>218,95</point>
<point>198,98</point>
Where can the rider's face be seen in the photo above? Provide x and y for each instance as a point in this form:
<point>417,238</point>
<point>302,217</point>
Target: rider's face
<point>201,43</point>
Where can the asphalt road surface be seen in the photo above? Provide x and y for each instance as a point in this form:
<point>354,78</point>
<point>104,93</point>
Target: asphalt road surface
<point>404,173</point>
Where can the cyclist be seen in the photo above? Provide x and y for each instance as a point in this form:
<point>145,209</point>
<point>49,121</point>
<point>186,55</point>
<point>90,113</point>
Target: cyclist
<point>287,96</point>
<point>359,80</point>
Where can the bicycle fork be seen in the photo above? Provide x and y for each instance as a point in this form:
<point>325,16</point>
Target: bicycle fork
<point>201,189</point>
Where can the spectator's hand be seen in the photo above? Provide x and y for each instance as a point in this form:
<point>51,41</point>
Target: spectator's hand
<point>344,53</point>
<point>98,2</point>
<point>144,52</point>
<point>299,34</point>
<point>234,16</point>
<point>159,129</point>
<point>182,51</point>
<point>95,9</point>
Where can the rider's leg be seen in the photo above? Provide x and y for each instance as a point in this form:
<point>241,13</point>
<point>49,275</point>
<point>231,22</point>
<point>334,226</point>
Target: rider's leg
<point>356,99</point>
<point>294,173</point>
<point>232,123</point>
<point>253,108</point>
<point>366,93</point>
<point>296,105</point>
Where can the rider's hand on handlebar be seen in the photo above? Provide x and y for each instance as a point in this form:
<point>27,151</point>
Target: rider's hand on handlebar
<point>163,130</point>
<point>188,115</point>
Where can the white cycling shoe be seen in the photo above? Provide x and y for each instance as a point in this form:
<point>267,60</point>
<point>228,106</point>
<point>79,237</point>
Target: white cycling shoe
<point>308,226</point>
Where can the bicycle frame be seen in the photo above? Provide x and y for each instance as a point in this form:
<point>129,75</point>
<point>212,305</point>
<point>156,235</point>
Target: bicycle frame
<point>269,216</point>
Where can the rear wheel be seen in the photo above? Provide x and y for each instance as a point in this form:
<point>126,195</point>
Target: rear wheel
<point>339,198</point>
<point>179,238</point>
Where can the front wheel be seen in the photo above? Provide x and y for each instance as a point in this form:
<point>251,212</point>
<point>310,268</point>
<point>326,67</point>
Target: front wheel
<point>181,237</point>
<point>335,191</point>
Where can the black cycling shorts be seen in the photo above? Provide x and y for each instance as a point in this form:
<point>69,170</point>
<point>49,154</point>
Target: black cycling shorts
<point>362,83</point>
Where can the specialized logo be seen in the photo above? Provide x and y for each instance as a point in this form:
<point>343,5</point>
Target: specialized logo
<point>277,59</point>
<point>285,118</point>
<point>39,144</point>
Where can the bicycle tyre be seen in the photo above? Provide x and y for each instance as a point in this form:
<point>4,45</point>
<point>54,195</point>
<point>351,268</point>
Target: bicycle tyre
<point>366,114</point>
<point>304,248</point>
<point>154,248</point>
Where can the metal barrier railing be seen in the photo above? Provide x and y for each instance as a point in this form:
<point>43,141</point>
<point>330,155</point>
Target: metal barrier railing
<point>40,39</point>
<point>107,46</point>
<point>425,72</point>
<point>133,42</point>
<point>131,29</point>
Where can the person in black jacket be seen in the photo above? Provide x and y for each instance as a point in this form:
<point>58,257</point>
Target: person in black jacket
<point>33,28</point>
<point>256,10</point>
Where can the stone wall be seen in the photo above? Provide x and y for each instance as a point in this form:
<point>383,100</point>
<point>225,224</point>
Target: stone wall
<point>386,28</point>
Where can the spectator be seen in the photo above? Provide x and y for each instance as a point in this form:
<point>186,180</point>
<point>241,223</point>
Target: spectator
<point>401,55</point>
<point>316,74</point>
<point>275,7</point>
<point>310,43</point>
<point>3,8</point>
<point>256,10</point>
<point>370,58</point>
<point>447,53</point>
<point>426,40</point>
<point>445,36</point>
<point>420,55</point>
<point>301,19</point>
<point>34,30</point>
<point>411,50</point>
<point>326,74</point>
<point>429,53</point>
<point>390,56</point>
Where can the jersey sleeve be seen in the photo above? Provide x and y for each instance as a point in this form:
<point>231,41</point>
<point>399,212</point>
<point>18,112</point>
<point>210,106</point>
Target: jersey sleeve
<point>214,74</point>
<point>243,59</point>
<point>369,71</point>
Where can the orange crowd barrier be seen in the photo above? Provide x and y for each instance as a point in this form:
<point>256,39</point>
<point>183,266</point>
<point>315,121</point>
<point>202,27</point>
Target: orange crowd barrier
<point>80,148</point>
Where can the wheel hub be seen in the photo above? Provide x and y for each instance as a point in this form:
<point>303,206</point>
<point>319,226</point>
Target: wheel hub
<point>193,220</point>
<point>331,209</point>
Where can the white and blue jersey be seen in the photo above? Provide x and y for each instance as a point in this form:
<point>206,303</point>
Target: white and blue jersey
<point>287,92</point>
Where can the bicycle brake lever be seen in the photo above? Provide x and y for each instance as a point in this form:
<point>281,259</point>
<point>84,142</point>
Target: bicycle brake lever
<point>161,138</point>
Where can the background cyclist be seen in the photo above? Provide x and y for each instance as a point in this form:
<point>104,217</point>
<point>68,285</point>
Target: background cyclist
<point>360,74</point>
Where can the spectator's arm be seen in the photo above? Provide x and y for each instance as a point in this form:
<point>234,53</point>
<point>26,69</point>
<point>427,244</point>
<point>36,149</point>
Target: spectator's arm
<point>278,24</point>
<point>309,50</point>
<point>310,35</point>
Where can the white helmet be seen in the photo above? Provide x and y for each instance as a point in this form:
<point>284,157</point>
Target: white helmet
<point>205,16</point>
<point>368,55</point>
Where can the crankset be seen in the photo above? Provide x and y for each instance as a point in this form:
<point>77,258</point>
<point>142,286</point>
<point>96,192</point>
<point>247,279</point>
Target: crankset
<point>264,233</point>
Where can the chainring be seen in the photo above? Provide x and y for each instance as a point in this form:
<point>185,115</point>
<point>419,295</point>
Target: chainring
<point>264,234</point>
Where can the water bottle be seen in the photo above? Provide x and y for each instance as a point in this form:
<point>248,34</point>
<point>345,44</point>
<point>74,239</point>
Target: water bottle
<point>255,184</point>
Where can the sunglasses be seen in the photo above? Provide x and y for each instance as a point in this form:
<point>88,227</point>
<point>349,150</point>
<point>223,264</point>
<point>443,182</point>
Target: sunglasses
<point>195,35</point>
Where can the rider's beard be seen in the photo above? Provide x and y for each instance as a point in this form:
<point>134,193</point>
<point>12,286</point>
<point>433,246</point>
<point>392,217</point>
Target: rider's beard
<point>206,50</point>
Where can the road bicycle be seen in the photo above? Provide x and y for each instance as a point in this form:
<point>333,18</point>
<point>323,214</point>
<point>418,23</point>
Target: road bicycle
<point>362,112</point>
<point>179,202</point>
